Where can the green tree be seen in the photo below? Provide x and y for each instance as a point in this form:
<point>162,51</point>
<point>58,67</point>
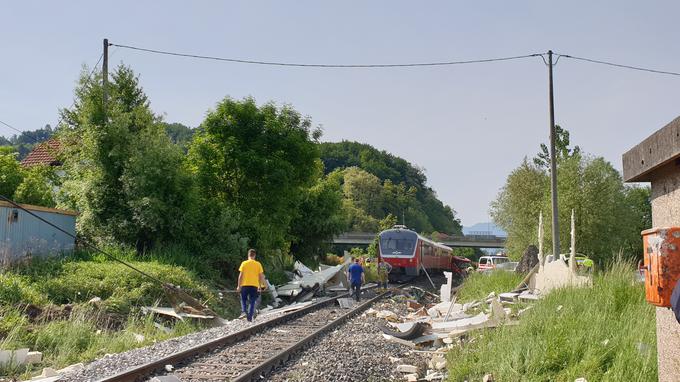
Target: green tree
<point>562,149</point>
<point>37,186</point>
<point>608,215</point>
<point>319,217</point>
<point>11,174</point>
<point>518,205</point>
<point>423,211</point>
<point>257,161</point>
<point>122,172</point>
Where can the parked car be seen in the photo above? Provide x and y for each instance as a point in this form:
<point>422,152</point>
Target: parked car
<point>490,262</point>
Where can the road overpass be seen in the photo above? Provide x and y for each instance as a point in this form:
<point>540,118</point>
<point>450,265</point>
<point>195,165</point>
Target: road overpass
<point>456,241</point>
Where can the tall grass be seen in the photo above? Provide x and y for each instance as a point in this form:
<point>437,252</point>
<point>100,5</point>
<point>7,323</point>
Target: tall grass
<point>478,285</point>
<point>603,333</point>
<point>91,331</point>
<point>78,339</point>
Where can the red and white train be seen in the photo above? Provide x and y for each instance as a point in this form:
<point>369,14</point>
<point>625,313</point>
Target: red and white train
<point>408,253</point>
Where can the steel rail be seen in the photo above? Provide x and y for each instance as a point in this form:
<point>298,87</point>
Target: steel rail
<point>283,356</point>
<point>138,373</point>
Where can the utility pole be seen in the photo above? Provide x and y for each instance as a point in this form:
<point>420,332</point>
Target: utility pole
<point>553,162</point>
<point>105,76</point>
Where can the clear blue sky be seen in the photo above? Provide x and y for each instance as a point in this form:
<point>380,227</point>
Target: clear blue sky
<point>468,126</point>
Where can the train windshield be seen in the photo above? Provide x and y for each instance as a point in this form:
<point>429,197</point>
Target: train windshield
<point>397,243</point>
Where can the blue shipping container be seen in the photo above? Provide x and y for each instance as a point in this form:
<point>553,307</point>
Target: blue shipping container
<point>24,236</point>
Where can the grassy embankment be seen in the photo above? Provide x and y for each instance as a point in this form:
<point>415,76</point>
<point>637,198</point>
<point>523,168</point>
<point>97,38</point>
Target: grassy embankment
<point>44,306</point>
<point>603,333</point>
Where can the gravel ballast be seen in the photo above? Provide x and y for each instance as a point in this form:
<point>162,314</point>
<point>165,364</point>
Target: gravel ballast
<point>112,364</point>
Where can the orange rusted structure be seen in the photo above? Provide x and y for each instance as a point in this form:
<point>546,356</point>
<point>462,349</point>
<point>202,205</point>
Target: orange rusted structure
<point>662,264</point>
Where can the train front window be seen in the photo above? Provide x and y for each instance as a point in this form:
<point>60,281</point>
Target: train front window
<point>397,243</point>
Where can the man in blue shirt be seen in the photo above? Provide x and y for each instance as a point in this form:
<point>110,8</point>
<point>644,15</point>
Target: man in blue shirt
<point>355,274</point>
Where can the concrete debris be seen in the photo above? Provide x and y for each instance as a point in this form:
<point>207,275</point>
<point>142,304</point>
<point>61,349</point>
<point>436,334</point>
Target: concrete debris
<point>435,376</point>
<point>33,357</point>
<point>580,380</point>
<point>407,369</point>
<point>411,377</point>
<point>511,297</point>
<point>556,274</point>
<point>171,312</point>
<point>13,357</point>
<point>19,357</point>
<point>165,378</point>
<point>345,303</point>
<point>394,359</point>
<point>47,372</point>
<point>413,305</point>
<point>437,362</point>
<point>388,315</point>
<point>301,270</point>
<point>95,300</point>
<point>445,289</point>
<point>169,368</point>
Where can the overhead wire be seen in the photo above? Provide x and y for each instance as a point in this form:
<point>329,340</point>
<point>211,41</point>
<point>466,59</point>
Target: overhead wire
<point>624,66</point>
<point>337,66</point>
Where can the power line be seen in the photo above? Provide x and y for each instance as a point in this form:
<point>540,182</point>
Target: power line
<point>336,66</point>
<point>619,65</point>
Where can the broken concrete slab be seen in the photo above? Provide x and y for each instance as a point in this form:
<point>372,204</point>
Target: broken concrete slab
<point>407,369</point>
<point>170,312</point>
<point>464,324</point>
<point>445,289</point>
<point>529,296</point>
<point>166,378</point>
<point>33,357</point>
<point>345,302</point>
<point>411,377</point>
<point>14,357</point>
<point>441,309</point>
<point>508,297</point>
<point>556,274</point>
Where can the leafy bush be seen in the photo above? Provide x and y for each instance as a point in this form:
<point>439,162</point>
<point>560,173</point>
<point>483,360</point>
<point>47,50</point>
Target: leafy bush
<point>16,289</point>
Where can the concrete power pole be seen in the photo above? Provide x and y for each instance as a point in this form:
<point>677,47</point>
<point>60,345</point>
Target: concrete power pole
<point>105,76</point>
<point>553,162</point>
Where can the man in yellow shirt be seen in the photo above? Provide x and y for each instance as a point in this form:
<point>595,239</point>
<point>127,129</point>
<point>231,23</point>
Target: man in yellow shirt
<point>250,283</point>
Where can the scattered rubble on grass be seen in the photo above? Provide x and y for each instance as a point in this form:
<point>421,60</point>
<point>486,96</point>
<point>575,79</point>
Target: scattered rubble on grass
<point>433,324</point>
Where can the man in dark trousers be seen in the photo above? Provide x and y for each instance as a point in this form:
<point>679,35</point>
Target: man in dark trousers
<point>250,283</point>
<point>356,278</point>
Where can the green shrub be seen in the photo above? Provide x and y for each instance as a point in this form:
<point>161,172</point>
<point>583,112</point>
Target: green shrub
<point>15,289</point>
<point>81,281</point>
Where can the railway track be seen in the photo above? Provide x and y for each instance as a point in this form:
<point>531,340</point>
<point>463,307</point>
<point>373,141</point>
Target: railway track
<point>251,353</point>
